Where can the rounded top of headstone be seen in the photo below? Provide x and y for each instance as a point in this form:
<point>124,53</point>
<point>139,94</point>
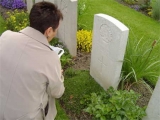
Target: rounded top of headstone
<point>120,25</point>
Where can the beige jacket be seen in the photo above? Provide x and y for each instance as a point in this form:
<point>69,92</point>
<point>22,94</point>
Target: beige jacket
<point>30,76</point>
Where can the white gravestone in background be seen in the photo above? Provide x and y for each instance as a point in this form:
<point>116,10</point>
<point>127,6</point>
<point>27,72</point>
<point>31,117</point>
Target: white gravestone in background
<point>52,1</point>
<point>36,1</point>
<point>29,5</point>
<point>153,108</point>
<point>68,27</point>
<point>108,49</point>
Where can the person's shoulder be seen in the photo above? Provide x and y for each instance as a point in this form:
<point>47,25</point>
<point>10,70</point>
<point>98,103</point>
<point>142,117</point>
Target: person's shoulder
<point>7,32</point>
<point>54,55</point>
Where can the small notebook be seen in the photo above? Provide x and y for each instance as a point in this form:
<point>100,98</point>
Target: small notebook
<point>58,50</point>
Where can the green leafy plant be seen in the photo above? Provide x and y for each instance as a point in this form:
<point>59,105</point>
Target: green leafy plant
<point>3,25</point>
<point>55,42</point>
<point>17,20</point>
<point>66,57</point>
<point>114,105</point>
<point>84,40</point>
<point>141,63</point>
<point>156,9</point>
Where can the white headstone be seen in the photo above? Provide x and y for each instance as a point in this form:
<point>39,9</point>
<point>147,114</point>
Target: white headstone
<point>29,5</point>
<point>52,1</point>
<point>108,48</point>
<point>68,27</point>
<point>36,1</point>
<point>153,108</point>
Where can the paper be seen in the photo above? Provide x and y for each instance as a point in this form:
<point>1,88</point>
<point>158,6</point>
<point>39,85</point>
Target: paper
<point>58,50</point>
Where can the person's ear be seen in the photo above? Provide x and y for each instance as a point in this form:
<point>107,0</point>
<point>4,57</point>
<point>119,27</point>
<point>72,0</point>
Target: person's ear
<point>48,32</point>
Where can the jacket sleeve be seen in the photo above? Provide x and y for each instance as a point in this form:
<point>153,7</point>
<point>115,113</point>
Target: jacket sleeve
<point>55,85</point>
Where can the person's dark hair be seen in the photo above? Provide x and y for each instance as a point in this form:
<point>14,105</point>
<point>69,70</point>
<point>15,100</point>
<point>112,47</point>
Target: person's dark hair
<point>44,15</point>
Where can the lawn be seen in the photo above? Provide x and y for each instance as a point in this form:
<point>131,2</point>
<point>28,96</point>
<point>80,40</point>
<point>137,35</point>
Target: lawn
<point>138,23</point>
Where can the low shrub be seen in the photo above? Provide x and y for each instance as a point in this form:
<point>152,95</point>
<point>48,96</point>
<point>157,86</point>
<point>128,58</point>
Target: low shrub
<point>114,105</point>
<point>84,40</point>
<point>17,20</point>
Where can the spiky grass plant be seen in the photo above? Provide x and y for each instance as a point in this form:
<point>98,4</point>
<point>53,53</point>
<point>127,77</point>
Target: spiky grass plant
<point>141,64</point>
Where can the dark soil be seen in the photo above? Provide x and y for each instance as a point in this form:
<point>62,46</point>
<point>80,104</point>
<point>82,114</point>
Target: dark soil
<point>82,62</point>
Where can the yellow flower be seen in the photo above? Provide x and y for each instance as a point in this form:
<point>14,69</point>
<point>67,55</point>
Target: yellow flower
<point>84,40</point>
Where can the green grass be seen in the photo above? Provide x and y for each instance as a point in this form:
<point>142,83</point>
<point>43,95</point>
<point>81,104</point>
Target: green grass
<point>138,23</point>
<point>2,25</point>
<point>61,115</point>
<point>77,83</point>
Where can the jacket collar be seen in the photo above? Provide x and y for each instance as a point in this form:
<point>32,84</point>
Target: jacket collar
<point>35,34</point>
